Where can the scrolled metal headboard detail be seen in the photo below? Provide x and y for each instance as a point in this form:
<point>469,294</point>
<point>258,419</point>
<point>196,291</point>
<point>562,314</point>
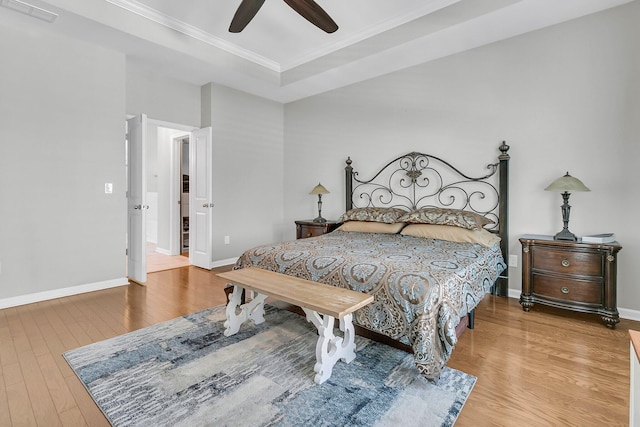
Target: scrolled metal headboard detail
<point>417,180</point>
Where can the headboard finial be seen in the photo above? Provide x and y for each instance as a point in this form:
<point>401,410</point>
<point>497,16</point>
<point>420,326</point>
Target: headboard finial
<point>348,171</point>
<point>504,148</point>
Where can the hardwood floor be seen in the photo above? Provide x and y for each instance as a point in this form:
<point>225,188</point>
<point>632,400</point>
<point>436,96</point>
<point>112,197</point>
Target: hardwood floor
<point>543,368</point>
<point>158,262</point>
<point>37,387</point>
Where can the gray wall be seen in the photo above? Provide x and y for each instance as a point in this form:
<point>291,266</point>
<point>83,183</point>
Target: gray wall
<point>565,98</point>
<point>161,98</point>
<point>61,130</point>
<point>248,134</point>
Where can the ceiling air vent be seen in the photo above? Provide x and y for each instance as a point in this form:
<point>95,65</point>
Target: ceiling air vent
<point>29,9</point>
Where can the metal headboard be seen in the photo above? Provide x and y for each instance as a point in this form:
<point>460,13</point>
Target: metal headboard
<point>417,180</point>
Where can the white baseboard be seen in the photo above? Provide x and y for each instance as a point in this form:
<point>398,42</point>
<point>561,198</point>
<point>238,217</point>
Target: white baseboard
<point>514,293</point>
<point>223,262</point>
<point>63,292</point>
<point>163,251</point>
<point>625,313</point>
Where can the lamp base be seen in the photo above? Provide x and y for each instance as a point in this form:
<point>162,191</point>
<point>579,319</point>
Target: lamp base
<point>319,219</point>
<point>565,235</point>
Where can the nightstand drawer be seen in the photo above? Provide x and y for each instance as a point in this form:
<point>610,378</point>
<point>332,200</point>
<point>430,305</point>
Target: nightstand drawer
<point>569,290</point>
<point>309,228</point>
<point>563,261</point>
<point>306,231</point>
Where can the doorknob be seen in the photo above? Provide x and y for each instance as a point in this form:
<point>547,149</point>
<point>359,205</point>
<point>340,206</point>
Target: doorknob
<point>137,207</point>
<point>207,205</point>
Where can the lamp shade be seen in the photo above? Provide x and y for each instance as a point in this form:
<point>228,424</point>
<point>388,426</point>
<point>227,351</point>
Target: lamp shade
<point>567,183</point>
<point>319,189</point>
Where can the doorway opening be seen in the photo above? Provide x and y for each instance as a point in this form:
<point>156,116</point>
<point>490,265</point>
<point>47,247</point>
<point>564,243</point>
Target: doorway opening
<point>161,162</point>
<point>167,185</point>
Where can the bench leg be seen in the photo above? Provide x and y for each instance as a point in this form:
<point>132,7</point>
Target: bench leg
<point>329,347</point>
<point>253,310</point>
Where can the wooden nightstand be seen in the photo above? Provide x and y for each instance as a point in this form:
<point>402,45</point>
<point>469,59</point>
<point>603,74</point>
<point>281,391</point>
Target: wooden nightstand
<point>308,228</point>
<point>571,275</point>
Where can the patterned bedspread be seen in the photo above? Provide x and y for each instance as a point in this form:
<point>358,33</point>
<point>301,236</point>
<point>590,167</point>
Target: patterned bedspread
<point>422,287</point>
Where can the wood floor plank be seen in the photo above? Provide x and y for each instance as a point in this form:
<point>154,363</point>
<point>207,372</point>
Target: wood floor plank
<point>12,374</point>
<point>8,355</point>
<point>42,405</point>
<point>20,405</point>
<point>86,320</point>
<point>78,323</point>
<point>55,345</point>
<point>73,417</point>
<point>5,415</point>
<point>36,340</point>
<point>89,410</point>
<point>56,384</point>
<point>19,337</point>
<point>59,327</point>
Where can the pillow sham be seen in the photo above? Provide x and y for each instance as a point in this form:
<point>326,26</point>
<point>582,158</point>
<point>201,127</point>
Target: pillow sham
<point>386,215</point>
<point>451,233</point>
<point>372,227</point>
<point>445,216</point>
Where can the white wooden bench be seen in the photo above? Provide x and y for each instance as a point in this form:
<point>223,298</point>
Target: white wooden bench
<point>321,303</point>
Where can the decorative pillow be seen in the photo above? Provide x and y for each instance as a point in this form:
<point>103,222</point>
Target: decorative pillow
<point>450,233</point>
<point>372,227</point>
<point>444,216</point>
<point>387,215</point>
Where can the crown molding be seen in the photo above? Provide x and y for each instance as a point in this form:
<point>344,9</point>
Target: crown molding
<point>194,32</point>
<point>427,8</point>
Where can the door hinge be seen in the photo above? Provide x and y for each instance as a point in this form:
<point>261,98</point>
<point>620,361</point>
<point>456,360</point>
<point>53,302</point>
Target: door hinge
<point>126,252</point>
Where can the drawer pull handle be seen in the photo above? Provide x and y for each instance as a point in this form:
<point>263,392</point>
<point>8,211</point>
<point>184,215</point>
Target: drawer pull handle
<point>564,290</point>
<point>565,263</point>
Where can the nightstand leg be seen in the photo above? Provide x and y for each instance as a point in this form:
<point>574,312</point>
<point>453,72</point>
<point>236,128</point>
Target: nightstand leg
<point>525,302</point>
<point>610,321</point>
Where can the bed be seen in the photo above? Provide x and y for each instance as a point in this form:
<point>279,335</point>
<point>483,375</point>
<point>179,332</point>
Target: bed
<point>426,240</point>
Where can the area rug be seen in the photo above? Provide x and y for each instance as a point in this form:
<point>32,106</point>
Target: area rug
<point>185,372</point>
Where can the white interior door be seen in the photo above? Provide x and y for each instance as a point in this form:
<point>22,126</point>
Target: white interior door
<point>201,198</point>
<point>136,199</point>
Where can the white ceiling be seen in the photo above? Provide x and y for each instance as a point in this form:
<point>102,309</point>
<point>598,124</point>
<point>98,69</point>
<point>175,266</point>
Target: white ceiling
<point>283,57</point>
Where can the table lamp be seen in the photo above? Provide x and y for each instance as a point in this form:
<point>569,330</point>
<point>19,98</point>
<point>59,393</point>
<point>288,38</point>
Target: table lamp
<point>566,184</point>
<point>319,190</point>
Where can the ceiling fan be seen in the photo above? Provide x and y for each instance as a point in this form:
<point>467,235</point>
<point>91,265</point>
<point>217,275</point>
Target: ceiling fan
<point>308,9</point>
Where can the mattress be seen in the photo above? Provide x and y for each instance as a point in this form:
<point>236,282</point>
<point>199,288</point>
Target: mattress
<point>421,287</point>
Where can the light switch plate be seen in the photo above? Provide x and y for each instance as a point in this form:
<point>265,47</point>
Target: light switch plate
<point>513,260</point>
<point>108,188</point>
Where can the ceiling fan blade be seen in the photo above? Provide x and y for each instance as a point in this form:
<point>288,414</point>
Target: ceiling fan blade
<point>245,13</point>
<point>312,12</point>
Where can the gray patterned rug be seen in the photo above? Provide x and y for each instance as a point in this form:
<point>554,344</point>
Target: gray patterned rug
<point>185,372</point>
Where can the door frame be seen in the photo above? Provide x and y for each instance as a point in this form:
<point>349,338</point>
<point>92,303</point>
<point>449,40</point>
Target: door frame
<point>174,186</point>
<point>175,194</point>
